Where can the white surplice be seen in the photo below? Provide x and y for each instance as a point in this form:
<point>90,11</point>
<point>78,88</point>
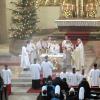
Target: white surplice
<point>94,77</point>
<point>7,76</point>
<point>47,68</point>
<point>35,71</point>
<point>25,63</point>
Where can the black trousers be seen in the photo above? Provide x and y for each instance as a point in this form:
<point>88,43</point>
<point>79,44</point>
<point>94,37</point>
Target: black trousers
<point>36,84</point>
<point>1,95</point>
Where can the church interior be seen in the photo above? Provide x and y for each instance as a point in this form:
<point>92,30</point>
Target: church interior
<point>47,20</point>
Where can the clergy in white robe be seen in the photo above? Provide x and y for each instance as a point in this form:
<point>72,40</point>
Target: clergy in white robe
<point>34,54</point>
<point>44,46</point>
<point>63,74</point>
<point>47,68</point>
<point>81,51</point>
<point>74,78</point>
<point>39,47</point>
<point>94,76</point>
<point>35,69</point>
<point>25,63</point>
<point>67,59</point>
<point>78,55</point>
<point>7,77</point>
<point>29,47</point>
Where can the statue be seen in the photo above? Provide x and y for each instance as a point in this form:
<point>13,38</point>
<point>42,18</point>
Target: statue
<point>91,9</point>
<point>67,9</point>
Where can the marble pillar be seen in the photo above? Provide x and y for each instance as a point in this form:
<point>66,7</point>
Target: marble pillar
<point>3,25</point>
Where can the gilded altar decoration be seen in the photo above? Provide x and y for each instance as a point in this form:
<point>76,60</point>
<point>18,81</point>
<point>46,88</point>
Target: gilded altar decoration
<point>67,9</point>
<point>91,9</point>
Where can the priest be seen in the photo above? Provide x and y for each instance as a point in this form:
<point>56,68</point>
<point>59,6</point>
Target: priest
<point>25,63</point>
<point>78,55</point>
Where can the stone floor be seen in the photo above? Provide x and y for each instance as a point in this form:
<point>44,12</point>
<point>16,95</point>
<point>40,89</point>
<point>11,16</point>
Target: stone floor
<point>23,97</point>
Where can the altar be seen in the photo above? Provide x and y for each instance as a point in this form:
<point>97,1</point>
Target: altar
<point>78,25</point>
<point>56,59</point>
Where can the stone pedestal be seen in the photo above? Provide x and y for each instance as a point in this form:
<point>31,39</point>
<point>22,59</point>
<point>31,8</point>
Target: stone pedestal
<point>15,46</point>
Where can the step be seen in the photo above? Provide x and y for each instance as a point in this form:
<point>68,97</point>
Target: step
<point>22,91</point>
<point>22,79</point>
<point>21,84</point>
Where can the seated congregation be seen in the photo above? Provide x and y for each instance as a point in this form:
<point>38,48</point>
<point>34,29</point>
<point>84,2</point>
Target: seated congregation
<point>76,87</point>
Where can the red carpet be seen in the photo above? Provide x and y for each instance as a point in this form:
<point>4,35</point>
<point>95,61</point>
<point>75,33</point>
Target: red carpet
<point>33,91</point>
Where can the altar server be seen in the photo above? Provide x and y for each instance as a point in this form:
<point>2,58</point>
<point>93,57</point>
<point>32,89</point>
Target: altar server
<point>74,78</point>
<point>35,73</point>
<point>7,76</point>
<point>63,73</point>
<point>47,68</point>
<point>95,76</point>
<point>25,63</point>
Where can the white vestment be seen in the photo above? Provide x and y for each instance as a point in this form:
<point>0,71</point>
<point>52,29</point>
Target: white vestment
<point>6,75</point>
<point>56,49</point>
<point>25,63</point>
<point>67,58</point>
<point>29,48</point>
<point>74,79</point>
<point>81,93</point>
<point>47,68</point>
<point>80,77</point>
<point>63,75</point>
<point>68,77</point>
<point>77,56</point>
<point>94,77</point>
<point>39,47</point>
<point>34,54</point>
<point>35,71</point>
<point>82,59</point>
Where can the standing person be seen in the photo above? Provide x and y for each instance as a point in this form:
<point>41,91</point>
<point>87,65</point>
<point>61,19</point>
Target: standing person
<point>39,47</point>
<point>44,45</point>
<point>67,57</point>
<point>30,49</point>
<point>84,83</point>
<point>34,54</point>
<point>95,76</point>
<point>6,75</point>
<point>47,68</point>
<point>25,63</point>
<point>35,72</point>
<point>74,78</point>
<point>63,73</point>
<point>1,88</point>
<point>81,76</point>
<point>78,55</point>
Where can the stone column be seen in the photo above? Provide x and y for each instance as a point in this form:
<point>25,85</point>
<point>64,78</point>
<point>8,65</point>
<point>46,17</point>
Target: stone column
<point>3,27</point>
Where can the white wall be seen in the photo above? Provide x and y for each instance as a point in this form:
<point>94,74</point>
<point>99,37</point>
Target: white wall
<point>47,17</point>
